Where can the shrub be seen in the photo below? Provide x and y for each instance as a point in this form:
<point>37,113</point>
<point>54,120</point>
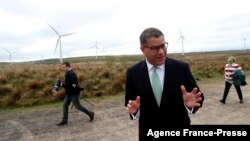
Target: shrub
<point>34,84</point>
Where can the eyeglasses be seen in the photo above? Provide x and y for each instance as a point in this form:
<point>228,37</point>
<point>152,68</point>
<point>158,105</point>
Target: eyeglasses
<point>156,49</point>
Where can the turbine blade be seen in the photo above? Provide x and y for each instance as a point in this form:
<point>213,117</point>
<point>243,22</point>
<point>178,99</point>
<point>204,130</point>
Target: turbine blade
<point>53,29</point>
<point>7,50</point>
<point>243,37</point>
<point>178,40</point>
<point>91,47</point>
<point>59,38</point>
<point>67,34</point>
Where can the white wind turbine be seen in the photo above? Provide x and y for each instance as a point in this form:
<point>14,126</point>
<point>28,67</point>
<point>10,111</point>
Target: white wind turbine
<point>104,52</point>
<point>182,44</point>
<point>96,47</point>
<point>244,42</point>
<point>59,41</point>
<point>42,57</point>
<point>10,55</point>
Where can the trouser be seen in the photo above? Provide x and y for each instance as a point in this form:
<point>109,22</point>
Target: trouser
<point>76,101</point>
<point>227,88</point>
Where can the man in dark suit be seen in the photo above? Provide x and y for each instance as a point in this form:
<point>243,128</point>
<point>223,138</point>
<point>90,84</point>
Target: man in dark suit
<point>72,92</point>
<point>179,94</point>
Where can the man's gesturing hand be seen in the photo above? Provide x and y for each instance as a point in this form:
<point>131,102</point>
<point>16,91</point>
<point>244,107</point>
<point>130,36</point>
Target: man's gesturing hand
<point>191,99</point>
<point>133,105</point>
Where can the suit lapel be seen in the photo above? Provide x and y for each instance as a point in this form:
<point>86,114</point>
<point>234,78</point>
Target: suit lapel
<point>167,79</point>
<point>146,83</point>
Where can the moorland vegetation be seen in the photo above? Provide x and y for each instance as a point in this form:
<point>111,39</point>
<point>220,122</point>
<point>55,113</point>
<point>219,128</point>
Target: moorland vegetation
<point>29,83</point>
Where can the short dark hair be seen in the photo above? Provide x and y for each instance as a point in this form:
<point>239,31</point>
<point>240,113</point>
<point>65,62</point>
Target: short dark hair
<point>67,64</point>
<point>149,33</point>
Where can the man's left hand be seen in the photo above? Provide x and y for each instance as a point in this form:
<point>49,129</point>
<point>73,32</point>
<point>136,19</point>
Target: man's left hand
<point>191,99</point>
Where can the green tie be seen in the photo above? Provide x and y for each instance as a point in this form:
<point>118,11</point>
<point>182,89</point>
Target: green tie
<point>156,85</point>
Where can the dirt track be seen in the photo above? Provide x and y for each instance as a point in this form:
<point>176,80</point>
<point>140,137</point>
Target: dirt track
<point>111,122</point>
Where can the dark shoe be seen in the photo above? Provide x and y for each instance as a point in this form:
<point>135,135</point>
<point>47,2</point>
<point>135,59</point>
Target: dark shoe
<point>62,123</point>
<point>91,116</point>
<point>241,101</point>
<point>222,101</point>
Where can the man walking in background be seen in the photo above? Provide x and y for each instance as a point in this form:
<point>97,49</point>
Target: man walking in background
<point>72,94</point>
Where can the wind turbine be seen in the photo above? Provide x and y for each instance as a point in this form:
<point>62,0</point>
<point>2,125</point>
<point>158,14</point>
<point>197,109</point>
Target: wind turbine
<point>244,41</point>
<point>103,51</point>
<point>10,55</point>
<point>96,47</point>
<point>182,44</point>
<point>59,41</point>
<point>42,57</point>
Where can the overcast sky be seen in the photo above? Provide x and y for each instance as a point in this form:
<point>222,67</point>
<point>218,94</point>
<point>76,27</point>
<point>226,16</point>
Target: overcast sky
<point>114,26</point>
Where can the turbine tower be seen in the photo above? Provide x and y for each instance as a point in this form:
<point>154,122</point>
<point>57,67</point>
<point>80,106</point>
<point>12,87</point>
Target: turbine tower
<point>96,47</point>
<point>42,57</point>
<point>59,41</point>
<point>244,42</point>
<point>103,52</point>
<point>182,45</point>
<point>10,55</point>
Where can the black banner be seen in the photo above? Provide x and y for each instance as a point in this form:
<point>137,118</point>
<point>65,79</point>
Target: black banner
<point>202,131</point>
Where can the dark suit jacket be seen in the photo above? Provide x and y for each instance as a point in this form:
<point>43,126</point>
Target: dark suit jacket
<point>172,112</point>
<point>70,81</point>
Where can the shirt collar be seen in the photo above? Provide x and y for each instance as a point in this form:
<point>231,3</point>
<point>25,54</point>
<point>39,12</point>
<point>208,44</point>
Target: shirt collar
<point>150,66</point>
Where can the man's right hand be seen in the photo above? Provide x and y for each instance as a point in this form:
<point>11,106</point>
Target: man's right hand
<point>133,105</point>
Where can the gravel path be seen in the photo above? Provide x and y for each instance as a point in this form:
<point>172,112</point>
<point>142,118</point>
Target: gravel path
<point>112,123</point>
